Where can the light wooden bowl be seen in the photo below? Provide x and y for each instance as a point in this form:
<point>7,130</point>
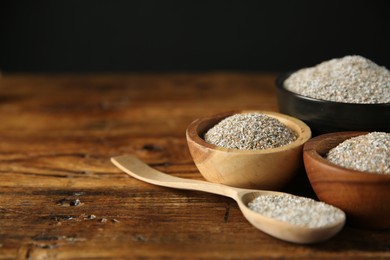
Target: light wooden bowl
<point>256,169</point>
<point>363,196</point>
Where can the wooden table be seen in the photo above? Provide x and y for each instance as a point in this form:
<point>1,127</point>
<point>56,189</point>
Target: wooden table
<point>60,197</point>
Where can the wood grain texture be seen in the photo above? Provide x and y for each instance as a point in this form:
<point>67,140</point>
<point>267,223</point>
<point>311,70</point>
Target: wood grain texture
<point>57,134</point>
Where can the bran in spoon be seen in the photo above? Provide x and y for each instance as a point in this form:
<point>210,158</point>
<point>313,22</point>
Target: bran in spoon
<point>296,210</point>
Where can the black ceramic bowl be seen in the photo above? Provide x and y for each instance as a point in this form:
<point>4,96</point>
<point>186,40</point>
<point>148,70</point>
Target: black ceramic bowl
<point>327,116</point>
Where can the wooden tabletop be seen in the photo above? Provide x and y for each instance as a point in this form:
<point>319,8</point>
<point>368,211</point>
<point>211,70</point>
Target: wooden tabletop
<point>60,196</point>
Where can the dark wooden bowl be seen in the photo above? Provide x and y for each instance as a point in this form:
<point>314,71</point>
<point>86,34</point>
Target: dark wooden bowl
<point>363,196</point>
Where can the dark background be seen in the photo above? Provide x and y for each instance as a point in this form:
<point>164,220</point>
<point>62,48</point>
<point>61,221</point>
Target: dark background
<point>148,36</point>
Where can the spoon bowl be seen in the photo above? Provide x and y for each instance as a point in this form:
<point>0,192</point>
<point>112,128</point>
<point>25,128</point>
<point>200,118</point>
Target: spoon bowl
<point>276,228</point>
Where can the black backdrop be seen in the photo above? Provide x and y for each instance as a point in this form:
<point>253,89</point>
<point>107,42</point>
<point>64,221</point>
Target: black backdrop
<point>137,36</point>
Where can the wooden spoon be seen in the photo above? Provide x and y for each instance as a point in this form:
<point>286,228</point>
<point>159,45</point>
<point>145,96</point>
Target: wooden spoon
<point>276,228</point>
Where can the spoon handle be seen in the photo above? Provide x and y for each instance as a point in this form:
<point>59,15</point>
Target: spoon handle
<point>140,170</point>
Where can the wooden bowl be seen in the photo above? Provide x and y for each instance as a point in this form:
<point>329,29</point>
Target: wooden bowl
<point>363,196</point>
<point>258,169</point>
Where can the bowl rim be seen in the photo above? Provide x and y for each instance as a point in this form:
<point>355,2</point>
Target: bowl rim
<point>309,149</point>
<point>304,134</point>
<point>279,82</point>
